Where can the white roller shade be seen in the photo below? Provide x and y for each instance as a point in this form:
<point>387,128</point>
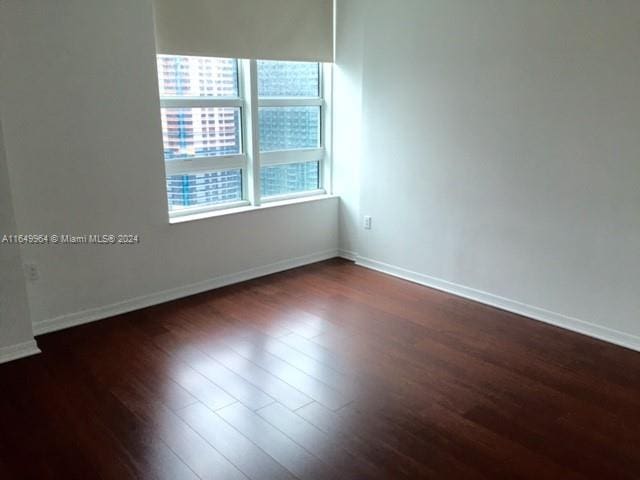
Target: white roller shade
<point>265,29</point>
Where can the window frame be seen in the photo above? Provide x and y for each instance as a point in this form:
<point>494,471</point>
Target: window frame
<point>250,160</point>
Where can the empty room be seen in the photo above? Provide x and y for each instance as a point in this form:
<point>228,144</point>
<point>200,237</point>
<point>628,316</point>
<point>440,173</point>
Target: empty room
<point>319,239</point>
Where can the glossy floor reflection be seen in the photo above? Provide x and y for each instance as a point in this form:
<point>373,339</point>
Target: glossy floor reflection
<point>326,371</point>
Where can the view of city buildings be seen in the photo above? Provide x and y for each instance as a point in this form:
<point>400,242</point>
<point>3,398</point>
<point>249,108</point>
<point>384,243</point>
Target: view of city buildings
<point>201,132</point>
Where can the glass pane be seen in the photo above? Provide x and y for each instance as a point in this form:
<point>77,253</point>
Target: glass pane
<point>200,132</point>
<point>180,76</point>
<point>288,79</point>
<point>205,189</point>
<point>287,128</point>
<point>289,178</point>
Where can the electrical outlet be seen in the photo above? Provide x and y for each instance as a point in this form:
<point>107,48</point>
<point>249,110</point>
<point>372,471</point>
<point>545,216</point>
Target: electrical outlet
<point>367,222</point>
<point>31,271</point>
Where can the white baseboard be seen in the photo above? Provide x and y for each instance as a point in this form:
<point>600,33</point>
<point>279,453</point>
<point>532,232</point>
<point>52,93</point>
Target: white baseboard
<point>78,318</point>
<point>21,350</point>
<point>93,314</point>
<point>574,324</point>
<point>348,254</point>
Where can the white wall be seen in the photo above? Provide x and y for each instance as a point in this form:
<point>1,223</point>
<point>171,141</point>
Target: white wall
<point>347,121</point>
<point>80,110</point>
<point>16,336</point>
<point>502,153</point>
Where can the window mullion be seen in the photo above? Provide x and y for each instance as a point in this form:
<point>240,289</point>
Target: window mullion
<point>200,102</point>
<point>283,157</point>
<point>251,129</point>
<point>205,164</point>
<point>326,126</point>
<point>291,102</point>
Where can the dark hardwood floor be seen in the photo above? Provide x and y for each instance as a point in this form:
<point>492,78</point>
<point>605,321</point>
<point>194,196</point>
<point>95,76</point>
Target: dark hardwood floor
<point>329,371</point>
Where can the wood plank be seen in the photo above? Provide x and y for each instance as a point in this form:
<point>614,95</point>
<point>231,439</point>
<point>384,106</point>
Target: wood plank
<point>202,458</point>
<point>284,450</point>
<point>307,384</point>
<point>327,448</point>
<point>232,383</point>
<point>245,454</point>
<point>261,378</point>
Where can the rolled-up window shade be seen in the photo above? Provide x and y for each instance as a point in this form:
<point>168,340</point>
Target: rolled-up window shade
<point>265,29</point>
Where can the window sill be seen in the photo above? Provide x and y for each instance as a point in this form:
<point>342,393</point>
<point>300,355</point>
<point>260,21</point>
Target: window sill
<point>250,208</point>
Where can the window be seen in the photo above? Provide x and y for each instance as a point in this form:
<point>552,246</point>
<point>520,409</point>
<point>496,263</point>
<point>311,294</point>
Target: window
<point>240,132</point>
<point>290,118</point>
